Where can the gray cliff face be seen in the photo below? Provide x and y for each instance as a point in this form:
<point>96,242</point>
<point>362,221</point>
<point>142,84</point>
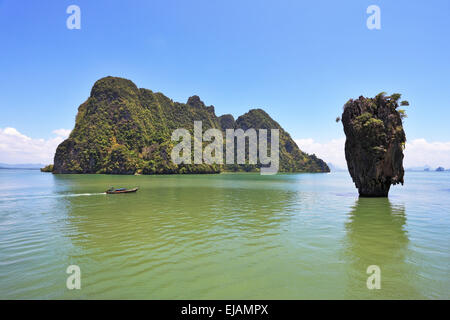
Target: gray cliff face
<point>374,143</point>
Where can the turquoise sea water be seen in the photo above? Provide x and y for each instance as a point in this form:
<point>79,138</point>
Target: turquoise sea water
<point>227,236</point>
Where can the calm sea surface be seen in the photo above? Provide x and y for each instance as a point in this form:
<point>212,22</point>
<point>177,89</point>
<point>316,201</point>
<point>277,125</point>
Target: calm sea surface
<point>227,236</point>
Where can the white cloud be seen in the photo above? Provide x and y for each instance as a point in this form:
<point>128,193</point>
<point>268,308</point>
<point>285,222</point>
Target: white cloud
<point>64,133</point>
<point>418,152</point>
<point>14,133</point>
<point>331,151</point>
<point>17,148</point>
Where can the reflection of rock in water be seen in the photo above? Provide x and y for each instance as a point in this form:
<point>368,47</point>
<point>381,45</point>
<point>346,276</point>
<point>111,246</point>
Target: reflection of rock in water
<point>376,236</point>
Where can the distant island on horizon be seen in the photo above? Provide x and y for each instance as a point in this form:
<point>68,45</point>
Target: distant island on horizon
<point>29,166</point>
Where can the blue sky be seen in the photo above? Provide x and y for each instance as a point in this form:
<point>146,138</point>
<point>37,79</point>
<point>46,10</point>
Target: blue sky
<point>298,60</point>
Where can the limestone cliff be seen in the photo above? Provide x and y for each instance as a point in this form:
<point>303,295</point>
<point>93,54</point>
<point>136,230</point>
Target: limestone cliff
<point>375,143</point>
<point>121,129</point>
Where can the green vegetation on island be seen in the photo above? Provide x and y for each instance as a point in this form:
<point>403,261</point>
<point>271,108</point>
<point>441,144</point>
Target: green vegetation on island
<point>121,129</point>
<point>48,168</point>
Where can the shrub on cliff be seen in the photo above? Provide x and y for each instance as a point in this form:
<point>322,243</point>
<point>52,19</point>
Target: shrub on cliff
<point>48,168</point>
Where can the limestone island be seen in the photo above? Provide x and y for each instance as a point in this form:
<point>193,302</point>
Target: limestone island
<point>374,143</point>
<point>123,129</point>
<point>48,168</point>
